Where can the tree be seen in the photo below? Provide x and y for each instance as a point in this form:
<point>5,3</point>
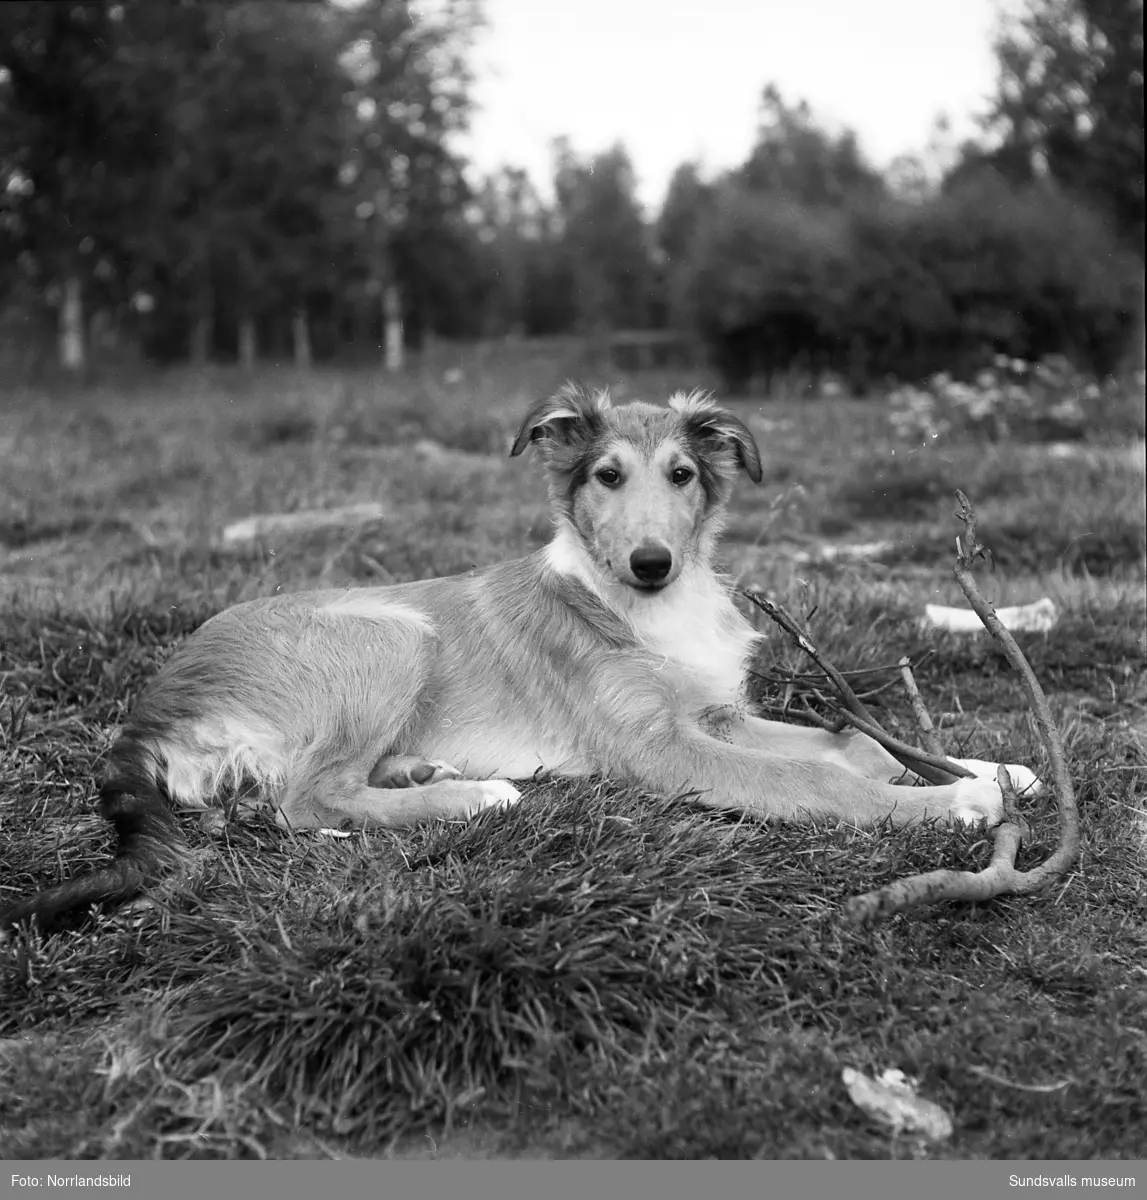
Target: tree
<point>511,218</point>
<point>604,232</point>
<point>410,98</point>
<point>765,283</point>
<point>256,136</point>
<point>795,158</point>
<point>687,201</point>
<point>74,152</point>
<point>1069,103</point>
<point>244,163</point>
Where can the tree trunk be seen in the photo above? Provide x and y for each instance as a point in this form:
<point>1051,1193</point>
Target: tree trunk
<point>247,343</point>
<point>392,327</point>
<point>203,329</point>
<point>73,355</point>
<point>301,336</point>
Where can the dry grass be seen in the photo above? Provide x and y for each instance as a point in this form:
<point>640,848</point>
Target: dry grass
<point>594,972</point>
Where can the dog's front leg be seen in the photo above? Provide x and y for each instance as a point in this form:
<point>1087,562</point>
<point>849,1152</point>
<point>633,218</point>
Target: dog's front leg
<point>729,776</point>
<point>656,747</point>
<point>850,749</point>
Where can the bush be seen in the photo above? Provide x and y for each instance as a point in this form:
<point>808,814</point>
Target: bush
<point>1047,401</point>
<point>763,285</point>
<point>1028,273</point>
<point>885,288</point>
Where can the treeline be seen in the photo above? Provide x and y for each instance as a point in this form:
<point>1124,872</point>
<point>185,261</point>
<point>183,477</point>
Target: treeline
<point>230,179</point>
<point>218,181</point>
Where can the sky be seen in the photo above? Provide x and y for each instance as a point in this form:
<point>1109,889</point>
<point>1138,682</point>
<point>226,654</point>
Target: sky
<point>679,80</point>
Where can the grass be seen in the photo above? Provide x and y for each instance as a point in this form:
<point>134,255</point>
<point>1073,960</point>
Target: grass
<point>594,972</point>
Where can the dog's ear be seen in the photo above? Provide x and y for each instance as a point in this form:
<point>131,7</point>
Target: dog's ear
<point>569,415</point>
<point>704,420</point>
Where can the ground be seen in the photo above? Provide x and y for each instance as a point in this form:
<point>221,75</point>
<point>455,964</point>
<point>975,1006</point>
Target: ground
<point>594,972</point>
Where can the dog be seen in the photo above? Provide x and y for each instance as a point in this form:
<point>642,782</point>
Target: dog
<point>615,650</point>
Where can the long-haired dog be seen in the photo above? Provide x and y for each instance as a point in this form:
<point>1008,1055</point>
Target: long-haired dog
<point>615,650</point>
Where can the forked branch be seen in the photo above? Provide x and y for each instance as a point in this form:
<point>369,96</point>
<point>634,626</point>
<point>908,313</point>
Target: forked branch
<point>935,768</point>
<point>1000,877</point>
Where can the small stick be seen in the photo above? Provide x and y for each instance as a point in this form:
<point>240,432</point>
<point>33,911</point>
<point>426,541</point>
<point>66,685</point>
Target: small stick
<point>923,721</point>
<point>1068,848</point>
<point>792,627</point>
<point>935,771</point>
<point>796,678</point>
<point>937,764</point>
<point>880,669</point>
<point>804,714</point>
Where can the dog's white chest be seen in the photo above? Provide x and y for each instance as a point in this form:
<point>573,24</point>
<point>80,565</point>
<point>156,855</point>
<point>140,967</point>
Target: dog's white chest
<point>702,642</point>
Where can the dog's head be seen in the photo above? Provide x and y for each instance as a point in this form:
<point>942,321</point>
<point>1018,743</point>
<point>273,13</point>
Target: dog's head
<point>644,487</point>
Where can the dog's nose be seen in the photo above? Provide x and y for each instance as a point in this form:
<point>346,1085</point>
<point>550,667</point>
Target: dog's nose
<point>651,563</point>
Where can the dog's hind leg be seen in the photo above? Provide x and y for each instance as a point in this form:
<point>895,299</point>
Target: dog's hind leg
<point>325,796</point>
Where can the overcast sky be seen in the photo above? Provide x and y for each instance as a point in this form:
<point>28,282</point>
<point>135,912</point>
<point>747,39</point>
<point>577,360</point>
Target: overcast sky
<point>681,79</point>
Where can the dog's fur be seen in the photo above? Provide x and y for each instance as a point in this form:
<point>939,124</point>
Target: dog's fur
<point>616,650</point>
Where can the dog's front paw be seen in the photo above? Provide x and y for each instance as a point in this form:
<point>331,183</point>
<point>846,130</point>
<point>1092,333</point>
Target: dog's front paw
<point>1024,779</point>
<point>977,800</point>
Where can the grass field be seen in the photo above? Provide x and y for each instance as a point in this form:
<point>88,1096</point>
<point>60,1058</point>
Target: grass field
<point>595,972</point>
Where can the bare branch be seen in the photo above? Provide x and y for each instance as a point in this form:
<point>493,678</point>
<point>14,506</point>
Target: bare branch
<point>933,887</point>
<point>934,770</point>
<point>923,721</point>
<point>1068,848</point>
<point>937,764</point>
<point>800,635</point>
<point>1000,877</point>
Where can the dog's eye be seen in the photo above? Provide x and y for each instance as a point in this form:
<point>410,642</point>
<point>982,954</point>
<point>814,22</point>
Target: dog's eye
<point>609,477</point>
<point>681,476</point>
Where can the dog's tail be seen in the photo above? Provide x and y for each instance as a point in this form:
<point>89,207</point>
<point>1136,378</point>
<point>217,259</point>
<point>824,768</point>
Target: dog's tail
<point>150,845</point>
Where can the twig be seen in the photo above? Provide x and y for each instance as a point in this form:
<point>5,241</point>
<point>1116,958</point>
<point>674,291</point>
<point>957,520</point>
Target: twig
<point>936,886</point>
<point>858,673</point>
<point>798,679</point>
<point>790,625</point>
<point>1041,1088</point>
<point>1001,876</point>
<point>928,767</point>
<point>923,721</point>
<point>937,764</point>
<point>810,715</point>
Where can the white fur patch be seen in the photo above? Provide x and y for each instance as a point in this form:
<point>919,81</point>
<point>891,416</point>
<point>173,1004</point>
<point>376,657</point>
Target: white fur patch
<point>695,401</point>
<point>977,800</point>
<point>694,625</point>
<point>495,793</point>
<point>1024,779</point>
<point>369,606</point>
<point>223,754</point>
<point>567,556</point>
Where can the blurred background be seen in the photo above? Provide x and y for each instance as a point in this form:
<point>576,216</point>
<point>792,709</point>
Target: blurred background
<point>850,194</point>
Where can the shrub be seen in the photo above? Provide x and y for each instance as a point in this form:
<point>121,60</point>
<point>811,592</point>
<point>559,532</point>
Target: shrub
<point>882,288</point>
<point>1028,273</point>
<point>763,284</point>
<point>1046,401</point>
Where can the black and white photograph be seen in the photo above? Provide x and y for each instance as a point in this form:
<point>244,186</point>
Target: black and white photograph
<point>573,586</point>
